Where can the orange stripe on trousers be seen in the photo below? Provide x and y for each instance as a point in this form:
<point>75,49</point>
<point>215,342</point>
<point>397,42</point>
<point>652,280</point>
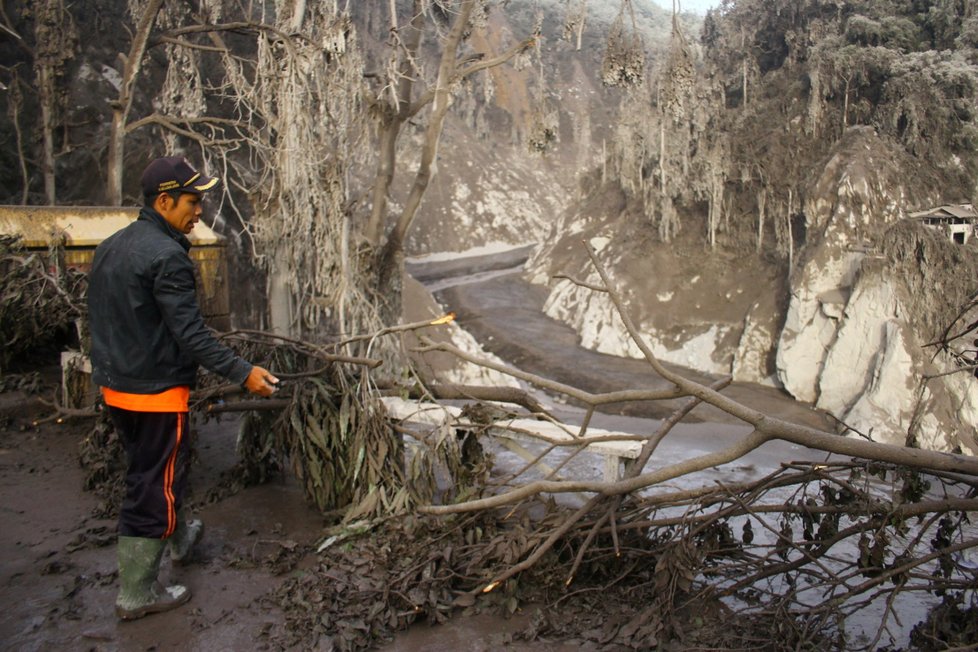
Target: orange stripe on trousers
<point>171,514</point>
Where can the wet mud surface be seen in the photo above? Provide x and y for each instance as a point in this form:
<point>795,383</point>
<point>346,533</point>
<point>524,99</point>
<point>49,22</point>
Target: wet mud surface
<point>58,576</point>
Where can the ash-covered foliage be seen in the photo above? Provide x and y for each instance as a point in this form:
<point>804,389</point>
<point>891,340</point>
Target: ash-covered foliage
<point>368,585</point>
<point>938,274</point>
<point>624,57</point>
<point>795,554</point>
<point>39,299</point>
<point>953,624</point>
<point>777,85</point>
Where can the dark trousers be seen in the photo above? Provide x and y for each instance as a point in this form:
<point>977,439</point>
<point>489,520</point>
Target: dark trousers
<point>158,448</point>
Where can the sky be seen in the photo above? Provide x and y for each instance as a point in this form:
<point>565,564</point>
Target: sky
<point>696,6</point>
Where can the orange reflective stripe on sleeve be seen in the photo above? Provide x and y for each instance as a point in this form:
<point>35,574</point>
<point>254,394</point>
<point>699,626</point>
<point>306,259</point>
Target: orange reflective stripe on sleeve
<point>175,399</point>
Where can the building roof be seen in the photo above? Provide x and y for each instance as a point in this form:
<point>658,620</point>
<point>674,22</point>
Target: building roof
<point>961,211</point>
<point>83,226</point>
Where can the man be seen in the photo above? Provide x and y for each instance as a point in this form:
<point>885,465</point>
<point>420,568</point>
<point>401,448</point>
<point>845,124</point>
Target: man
<point>148,339</point>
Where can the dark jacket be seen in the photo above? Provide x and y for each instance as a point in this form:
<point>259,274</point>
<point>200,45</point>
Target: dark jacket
<point>148,334</point>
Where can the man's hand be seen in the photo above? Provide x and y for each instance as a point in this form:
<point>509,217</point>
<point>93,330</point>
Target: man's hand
<point>260,381</point>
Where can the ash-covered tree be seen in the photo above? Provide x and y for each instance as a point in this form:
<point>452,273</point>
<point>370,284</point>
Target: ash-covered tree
<point>295,109</point>
<point>778,84</point>
<point>40,40</point>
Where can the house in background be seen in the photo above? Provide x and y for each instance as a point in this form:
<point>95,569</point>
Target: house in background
<point>959,222</point>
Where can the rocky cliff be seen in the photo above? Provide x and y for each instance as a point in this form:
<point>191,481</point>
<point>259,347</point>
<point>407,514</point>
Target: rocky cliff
<point>846,332</point>
<point>754,211</point>
<point>872,290</point>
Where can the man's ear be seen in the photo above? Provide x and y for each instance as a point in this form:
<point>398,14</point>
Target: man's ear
<point>161,202</point>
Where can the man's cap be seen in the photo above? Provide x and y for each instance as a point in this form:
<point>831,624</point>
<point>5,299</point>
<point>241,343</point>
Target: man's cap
<point>175,173</point>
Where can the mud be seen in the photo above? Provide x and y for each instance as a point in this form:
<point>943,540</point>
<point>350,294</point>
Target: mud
<point>58,577</point>
<point>58,567</point>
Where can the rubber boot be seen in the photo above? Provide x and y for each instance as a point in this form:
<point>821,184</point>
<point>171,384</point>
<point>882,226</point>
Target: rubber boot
<point>184,538</point>
<point>140,594</point>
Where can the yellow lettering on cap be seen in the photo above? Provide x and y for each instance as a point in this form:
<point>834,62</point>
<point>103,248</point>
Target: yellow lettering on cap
<point>168,185</point>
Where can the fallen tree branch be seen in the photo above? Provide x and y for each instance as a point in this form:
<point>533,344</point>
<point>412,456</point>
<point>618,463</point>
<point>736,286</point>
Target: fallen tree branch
<point>700,463</point>
<point>766,428</point>
<point>400,328</point>
<point>607,398</point>
<point>314,350</point>
<point>447,392</point>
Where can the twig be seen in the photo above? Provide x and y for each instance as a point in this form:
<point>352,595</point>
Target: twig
<point>541,549</point>
<point>314,349</point>
<point>587,398</point>
<point>403,328</point>
<point>62,414</point>
<point>583,284</point>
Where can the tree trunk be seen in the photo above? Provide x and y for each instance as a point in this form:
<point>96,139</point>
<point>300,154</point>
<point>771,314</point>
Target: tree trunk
<point>662,154</point>
<point>298,15</point>
<point>47,100</point>
<point>845,106</point>
<point>386,162</point>
<point>122,105</point>
<point>280,296</point>
<point>791,236</point>
<point>442,101</point>
<point>54,46</point>
<point>761,205</point>
<point>395,119</point>
<point>743,44</point>
<point>14,105</point>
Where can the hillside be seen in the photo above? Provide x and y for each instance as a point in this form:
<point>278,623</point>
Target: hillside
<point>751,202</point>
<point>493,184</point>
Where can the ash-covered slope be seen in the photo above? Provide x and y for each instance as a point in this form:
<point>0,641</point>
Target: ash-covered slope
<point>872,289</point>
<point>845,333</point>
<point>494,180</point>
<point>754,222</point>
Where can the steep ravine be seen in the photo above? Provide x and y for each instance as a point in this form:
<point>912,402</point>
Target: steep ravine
<point>844,330</point>
<point>504,313</point>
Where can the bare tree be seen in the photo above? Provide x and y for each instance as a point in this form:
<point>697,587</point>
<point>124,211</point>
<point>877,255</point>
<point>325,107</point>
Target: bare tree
<point>401,103</point>
<point>55,42</point>
<point>299,108</point>
<point>122,105</point>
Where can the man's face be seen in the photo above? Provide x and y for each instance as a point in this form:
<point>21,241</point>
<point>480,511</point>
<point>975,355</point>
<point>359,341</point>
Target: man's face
<point>182,213</point>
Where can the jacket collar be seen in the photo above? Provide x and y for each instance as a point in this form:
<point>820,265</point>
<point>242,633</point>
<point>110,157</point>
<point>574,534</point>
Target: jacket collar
<point>150,215</point>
